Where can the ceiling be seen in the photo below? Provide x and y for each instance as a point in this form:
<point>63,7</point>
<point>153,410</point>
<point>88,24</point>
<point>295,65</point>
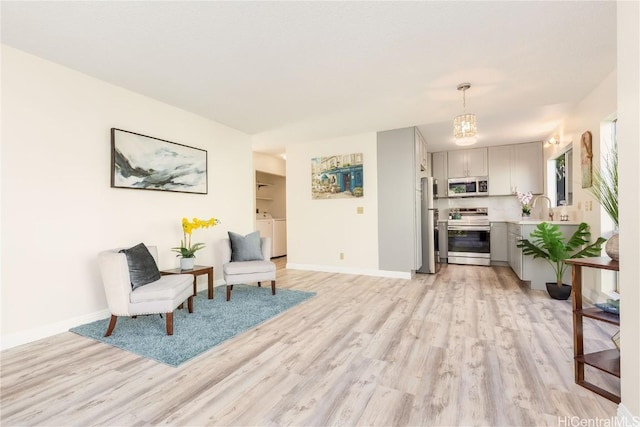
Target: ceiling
<point>287,72</point>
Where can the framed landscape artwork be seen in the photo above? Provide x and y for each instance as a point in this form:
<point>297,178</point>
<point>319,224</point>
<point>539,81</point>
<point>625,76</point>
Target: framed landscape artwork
<point>145,163</point>
<point>337,177</point>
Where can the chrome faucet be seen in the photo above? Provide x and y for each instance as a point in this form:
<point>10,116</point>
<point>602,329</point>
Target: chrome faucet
<point>533,205</point>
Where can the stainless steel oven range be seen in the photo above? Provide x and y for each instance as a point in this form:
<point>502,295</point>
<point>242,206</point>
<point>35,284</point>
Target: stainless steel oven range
<point>469,232</point>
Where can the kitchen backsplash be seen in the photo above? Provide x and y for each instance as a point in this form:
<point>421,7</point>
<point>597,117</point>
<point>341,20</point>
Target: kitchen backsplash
<point>501,208</point>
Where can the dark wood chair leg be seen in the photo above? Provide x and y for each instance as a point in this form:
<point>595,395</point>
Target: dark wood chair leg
<point>229,292</point>
<point>259,284</point>
<point>112,325</point>
<point>170,323</point>
<point>190,304</point>
<point>273,287</point>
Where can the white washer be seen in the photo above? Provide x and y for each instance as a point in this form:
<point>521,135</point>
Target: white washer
<point>279,237</point>
<point>264,224</point>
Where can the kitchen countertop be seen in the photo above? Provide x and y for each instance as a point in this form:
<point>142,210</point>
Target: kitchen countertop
<point>528,221</point>
<point>538,221</point>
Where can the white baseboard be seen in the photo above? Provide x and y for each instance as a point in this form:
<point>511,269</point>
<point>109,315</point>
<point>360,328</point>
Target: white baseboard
<point>31,335</point>
<point>19,338</point>
<point>347,270</point>
<point>626,418</point>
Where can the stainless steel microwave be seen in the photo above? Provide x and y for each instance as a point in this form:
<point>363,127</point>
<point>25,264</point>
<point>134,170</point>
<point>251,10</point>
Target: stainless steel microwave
<point>468,187</point>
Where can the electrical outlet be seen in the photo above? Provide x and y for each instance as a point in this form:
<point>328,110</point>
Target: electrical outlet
<point>341,255</point>
<point>360,209</point>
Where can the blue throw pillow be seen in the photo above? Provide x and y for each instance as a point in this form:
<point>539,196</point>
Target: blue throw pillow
<point>245,248</point>
<point>142,267</point>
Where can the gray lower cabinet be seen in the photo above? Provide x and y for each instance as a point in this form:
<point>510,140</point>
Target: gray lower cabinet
<point>499,247</point>
<point>443,241</point>
<point>514,253</point>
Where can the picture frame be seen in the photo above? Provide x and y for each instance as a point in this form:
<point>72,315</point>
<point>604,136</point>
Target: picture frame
<point>586,159</point>
<point>337,176</point>
<point>142,162</point>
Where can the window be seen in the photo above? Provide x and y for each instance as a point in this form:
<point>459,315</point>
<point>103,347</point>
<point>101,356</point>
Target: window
<point>563,167</point>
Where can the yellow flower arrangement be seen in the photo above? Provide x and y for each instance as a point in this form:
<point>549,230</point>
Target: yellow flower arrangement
<point>186,249</point>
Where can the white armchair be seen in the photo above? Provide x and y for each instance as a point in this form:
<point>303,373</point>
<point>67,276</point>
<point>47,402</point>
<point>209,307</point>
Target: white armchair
<point>161,296</point>
<point>237,272</point>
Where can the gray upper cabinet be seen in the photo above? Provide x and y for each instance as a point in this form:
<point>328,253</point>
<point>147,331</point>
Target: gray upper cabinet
<point>399,207</point>
<point>439,171</point>
<point>527,172</point>
<point>518,167</point>
<point>500,159</point>
<point>462,163</point>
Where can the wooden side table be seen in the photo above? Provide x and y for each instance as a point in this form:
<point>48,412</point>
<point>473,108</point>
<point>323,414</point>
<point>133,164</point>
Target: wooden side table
<point>196,271</point>
<point>607,360</point>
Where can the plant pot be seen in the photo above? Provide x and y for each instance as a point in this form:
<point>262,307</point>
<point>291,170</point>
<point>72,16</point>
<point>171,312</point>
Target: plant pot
<point>558,292</point>
<point>187,263</point>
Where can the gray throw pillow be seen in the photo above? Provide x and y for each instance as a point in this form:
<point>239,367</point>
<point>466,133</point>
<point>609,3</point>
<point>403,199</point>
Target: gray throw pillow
<point>245,248</point>
<point>142,267</point>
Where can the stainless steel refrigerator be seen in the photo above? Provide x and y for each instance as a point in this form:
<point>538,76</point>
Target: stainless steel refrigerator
<point>429,227</point>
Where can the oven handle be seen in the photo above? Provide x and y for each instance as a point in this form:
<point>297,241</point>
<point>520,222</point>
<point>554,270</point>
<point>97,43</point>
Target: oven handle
<point>469,227</point>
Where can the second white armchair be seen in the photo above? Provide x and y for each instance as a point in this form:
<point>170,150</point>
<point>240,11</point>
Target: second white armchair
<point>237,272</point>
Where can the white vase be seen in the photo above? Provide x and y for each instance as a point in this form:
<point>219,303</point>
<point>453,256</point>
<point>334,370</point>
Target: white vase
<point>611,248</point>
<point>187,263</point>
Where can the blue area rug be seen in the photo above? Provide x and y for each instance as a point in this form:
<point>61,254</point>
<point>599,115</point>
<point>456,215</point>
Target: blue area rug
<point>212,322</point>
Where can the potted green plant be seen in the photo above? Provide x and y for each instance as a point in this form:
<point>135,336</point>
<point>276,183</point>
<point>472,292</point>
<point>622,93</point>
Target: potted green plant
<point>604,189</point>
<point>548,242</point>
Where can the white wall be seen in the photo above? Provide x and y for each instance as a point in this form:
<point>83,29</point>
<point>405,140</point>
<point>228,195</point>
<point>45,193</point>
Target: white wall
<point>271,169</point>
<point>597,107</point>
<point>319,230</point>
<point>270,164</point>
<point>629,180</point>
<point>58,210</point>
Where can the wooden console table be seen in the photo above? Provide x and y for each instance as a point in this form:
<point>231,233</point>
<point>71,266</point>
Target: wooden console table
<point>606,360</point>
<point>196,271</point>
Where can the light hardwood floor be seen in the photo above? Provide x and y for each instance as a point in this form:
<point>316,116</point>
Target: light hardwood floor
<point>469,346</point>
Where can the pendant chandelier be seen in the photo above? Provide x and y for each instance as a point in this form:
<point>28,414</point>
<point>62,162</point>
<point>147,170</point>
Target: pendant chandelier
<point>464,125</point>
